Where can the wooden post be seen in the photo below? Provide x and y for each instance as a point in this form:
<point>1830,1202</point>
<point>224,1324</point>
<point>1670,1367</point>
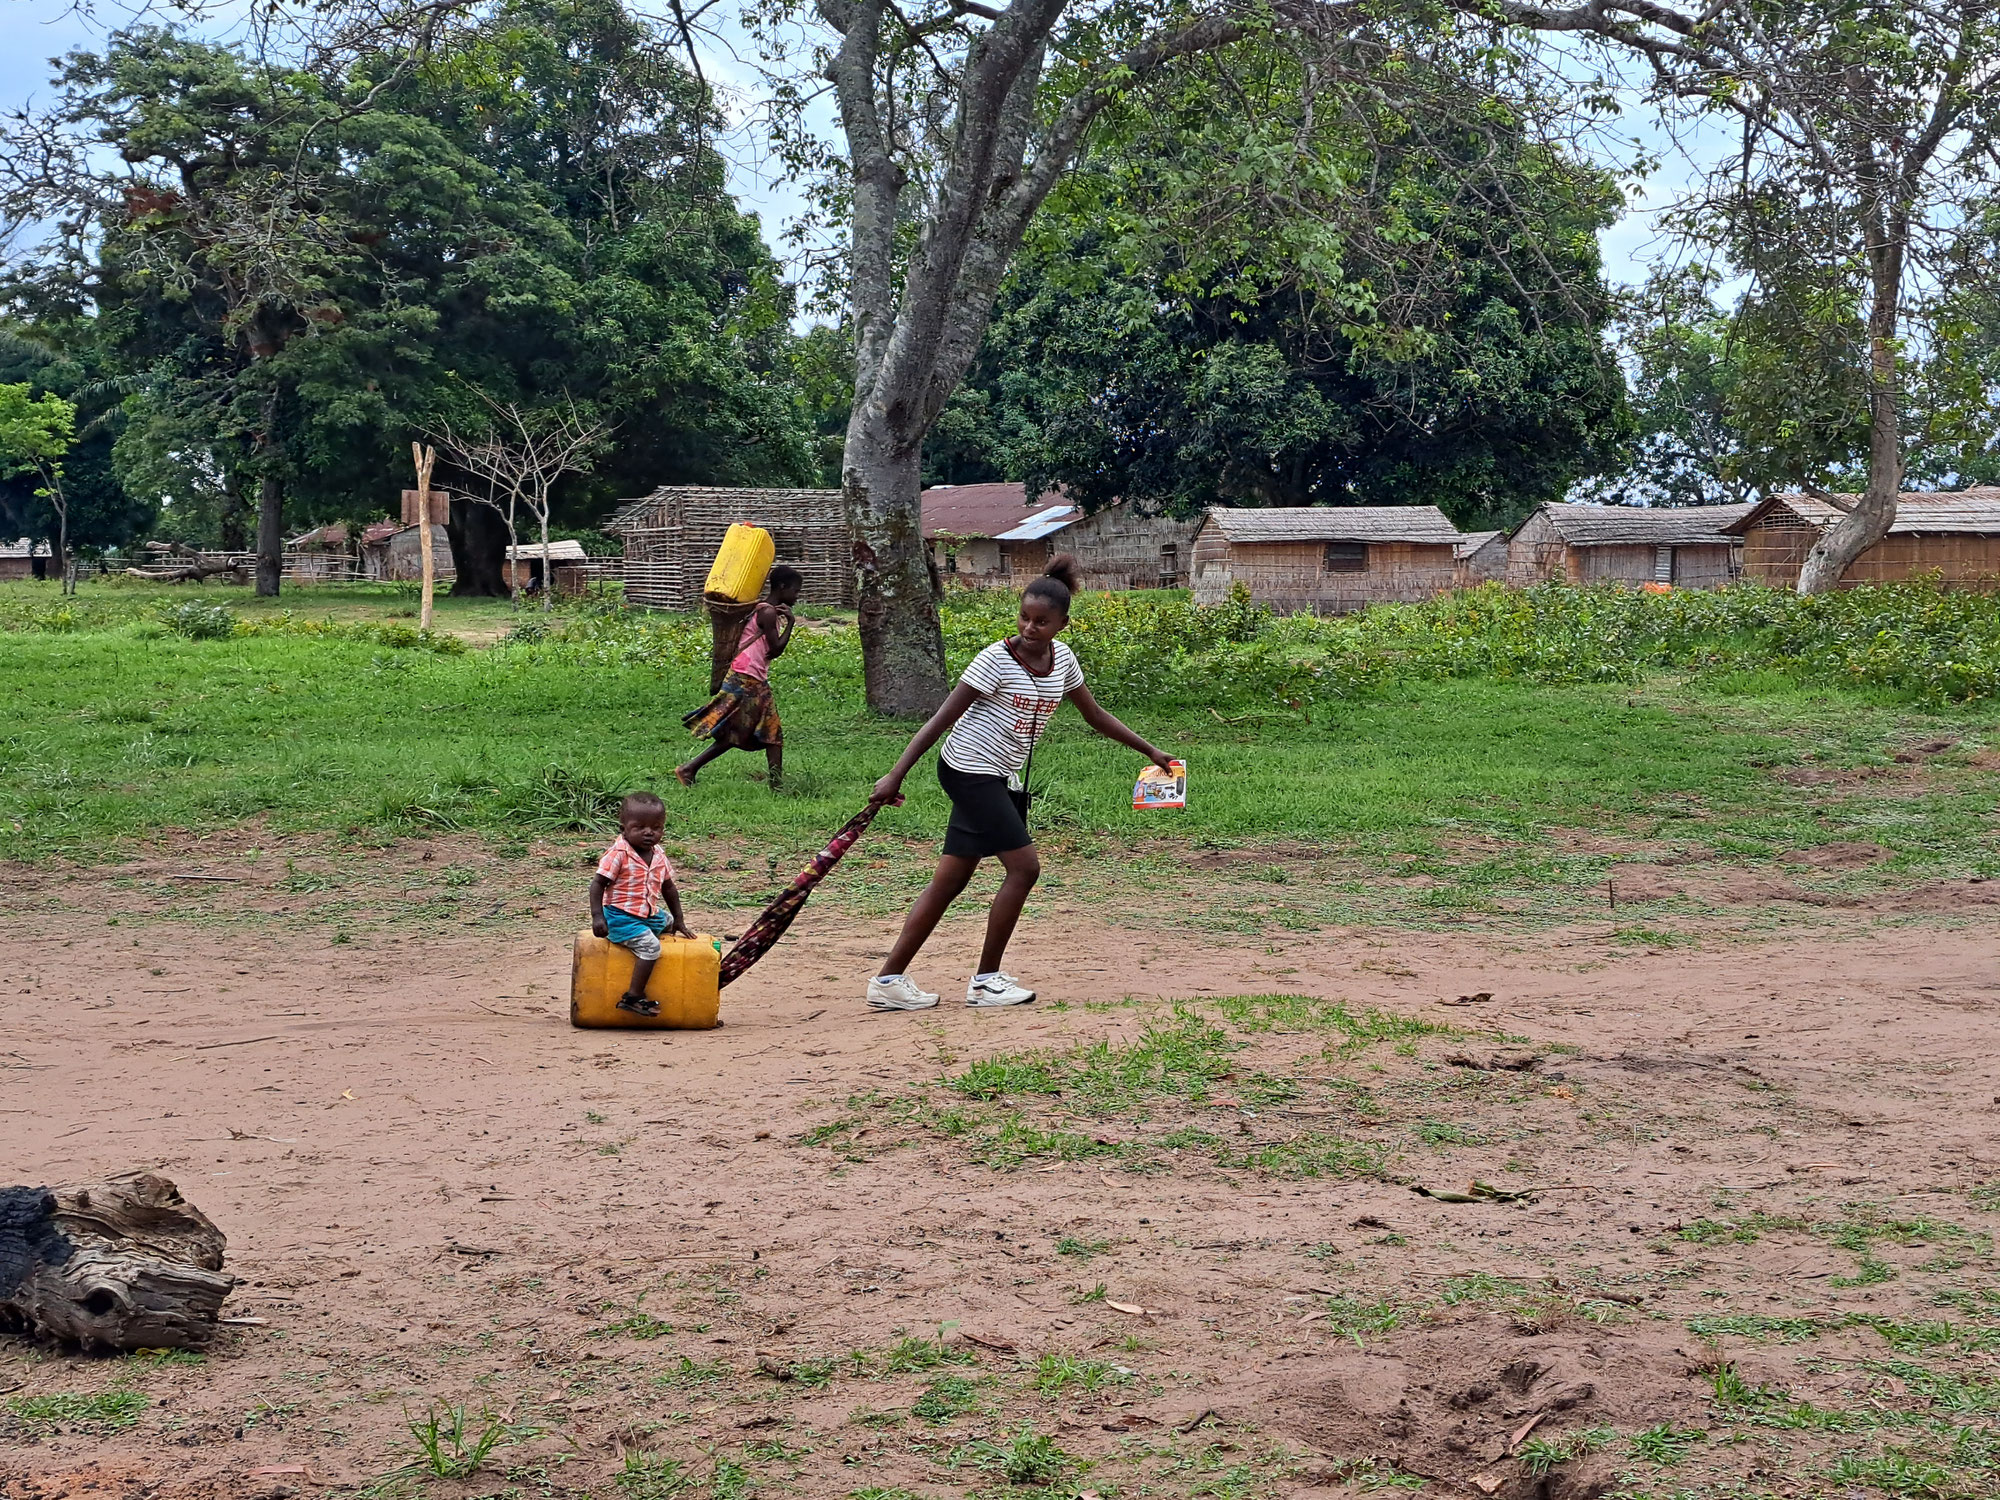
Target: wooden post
<point>424,457</point>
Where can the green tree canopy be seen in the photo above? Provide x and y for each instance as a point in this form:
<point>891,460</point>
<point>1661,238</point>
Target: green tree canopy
<point>1313,300</point>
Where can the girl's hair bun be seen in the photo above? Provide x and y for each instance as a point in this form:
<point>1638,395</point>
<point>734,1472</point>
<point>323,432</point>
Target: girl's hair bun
<point>1057,583</point>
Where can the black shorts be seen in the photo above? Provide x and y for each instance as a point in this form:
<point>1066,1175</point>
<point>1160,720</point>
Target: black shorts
<point>986,818</point>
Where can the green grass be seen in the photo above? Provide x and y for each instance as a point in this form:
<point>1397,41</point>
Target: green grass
<point>103,1411</point>
<point>117,730</point>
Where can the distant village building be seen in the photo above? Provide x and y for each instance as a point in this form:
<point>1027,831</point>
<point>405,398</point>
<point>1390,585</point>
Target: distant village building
<point>672,535</point>
<point>24,559</point>
<point>1686,547</point>
<point>326,554</point>
<point>988,536</point>
<point>1482,558</point>
<point>1954,534</point>
<point>1326,559</point>
<point>567,560</point>
<point>392,552</point>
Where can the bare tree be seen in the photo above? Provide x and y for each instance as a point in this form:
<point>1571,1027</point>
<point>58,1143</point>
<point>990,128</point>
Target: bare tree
<point>519,460</point>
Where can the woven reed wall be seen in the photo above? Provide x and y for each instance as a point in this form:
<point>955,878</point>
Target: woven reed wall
<point>1774,551</point>
<point>673,536</point>
<point>1292,577</point>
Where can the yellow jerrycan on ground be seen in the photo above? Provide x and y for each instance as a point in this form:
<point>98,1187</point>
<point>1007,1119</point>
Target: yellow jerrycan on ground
<point>685,982</point>
<point>741,565</point>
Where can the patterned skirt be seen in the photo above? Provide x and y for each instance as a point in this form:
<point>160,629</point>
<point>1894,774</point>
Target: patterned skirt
<point>742,716</point>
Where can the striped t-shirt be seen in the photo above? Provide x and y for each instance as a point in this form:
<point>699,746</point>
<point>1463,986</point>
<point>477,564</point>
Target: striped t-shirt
<point>993,736</point>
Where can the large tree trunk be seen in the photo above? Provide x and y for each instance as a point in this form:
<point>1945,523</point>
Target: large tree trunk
<point>270,534</point>
<point>478,538</point>
<point>902,638</point>
<point>119,1265</point>
<point>1875,509</point>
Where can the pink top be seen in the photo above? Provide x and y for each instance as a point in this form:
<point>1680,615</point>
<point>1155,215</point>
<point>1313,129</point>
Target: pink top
<point>754,657</point>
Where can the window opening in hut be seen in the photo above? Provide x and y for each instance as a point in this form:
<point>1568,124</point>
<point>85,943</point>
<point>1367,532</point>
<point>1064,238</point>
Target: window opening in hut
<point>1666,565</point>
<point>1347,557</point>
<point>1170,564</point>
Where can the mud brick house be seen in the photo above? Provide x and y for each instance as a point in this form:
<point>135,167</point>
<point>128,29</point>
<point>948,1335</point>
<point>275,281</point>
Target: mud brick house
<point>1686,547</point>
<point>1953,534</point>
<point>672,535</point>
<point>990,536</point>
<point>567,560</point>
<point>1326,559</point>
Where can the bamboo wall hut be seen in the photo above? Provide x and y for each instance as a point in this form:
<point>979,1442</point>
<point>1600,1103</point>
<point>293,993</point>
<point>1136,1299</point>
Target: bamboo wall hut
<point>1482,558</point>
<point>988,536</point>
<point>1954,534</point>
<point>672,535</point>
<point>1582,544</point>
<point>1326,559</point>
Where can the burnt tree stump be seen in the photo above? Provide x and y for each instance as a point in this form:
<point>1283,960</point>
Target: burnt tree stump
<point>113,1266</point>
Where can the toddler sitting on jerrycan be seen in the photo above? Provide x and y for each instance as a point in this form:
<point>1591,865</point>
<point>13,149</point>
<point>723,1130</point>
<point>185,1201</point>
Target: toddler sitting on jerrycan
<point>634,904</point>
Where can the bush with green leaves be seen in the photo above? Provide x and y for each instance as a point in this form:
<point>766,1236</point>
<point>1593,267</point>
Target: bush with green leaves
<point>198,620</point>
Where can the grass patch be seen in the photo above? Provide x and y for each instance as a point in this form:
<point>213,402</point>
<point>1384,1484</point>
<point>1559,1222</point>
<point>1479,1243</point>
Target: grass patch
<point>103,1411</point>
<point>1497,715</point>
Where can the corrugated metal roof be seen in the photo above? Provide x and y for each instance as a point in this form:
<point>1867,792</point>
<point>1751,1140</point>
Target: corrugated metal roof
<point>1472,542</point>
<point>25,548</point>
<point>1042,523</point>
<point>1614,525</point>
<point>983,510</point>
<point>1336,523</point>
<point>1973,512</point>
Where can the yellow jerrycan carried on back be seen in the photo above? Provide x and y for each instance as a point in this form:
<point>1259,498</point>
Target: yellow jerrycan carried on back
<point>685,982</point>
<point>741,566</point>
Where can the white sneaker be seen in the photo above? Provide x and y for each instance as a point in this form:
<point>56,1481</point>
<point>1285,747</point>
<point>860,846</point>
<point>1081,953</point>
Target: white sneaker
<point>997,989</point>
<point>898,992</point>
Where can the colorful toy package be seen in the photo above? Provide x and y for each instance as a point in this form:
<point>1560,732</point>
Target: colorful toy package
<point>1157,788</point>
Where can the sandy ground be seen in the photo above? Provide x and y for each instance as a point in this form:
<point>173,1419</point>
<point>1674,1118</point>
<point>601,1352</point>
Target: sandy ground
<point>435,1190</point>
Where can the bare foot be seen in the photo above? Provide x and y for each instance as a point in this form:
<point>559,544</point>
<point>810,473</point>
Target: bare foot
<point>683,775</point>
<point>639,1005</point>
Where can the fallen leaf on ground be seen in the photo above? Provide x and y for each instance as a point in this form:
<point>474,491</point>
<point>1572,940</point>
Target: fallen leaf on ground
<point>1479,998</point>
<point>1524,1429</point>
<point>984,1341</point>
<point>1127,1307</point>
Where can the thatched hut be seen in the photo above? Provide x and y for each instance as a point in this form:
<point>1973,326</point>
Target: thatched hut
<point>1686,546</point>
<point>672,535</point>
<point>1327,559</point>
<point>1954,534</point>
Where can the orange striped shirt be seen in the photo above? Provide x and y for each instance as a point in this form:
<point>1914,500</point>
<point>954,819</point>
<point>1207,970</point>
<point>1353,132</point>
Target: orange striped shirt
<point>635,883</point>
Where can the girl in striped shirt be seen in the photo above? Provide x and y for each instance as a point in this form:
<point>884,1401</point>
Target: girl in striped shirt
<point>1000,707</point>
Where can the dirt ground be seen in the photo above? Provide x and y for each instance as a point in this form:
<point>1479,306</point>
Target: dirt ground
<point>789,1258</point>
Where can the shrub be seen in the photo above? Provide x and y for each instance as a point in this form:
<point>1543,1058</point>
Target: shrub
<point>198,620</point>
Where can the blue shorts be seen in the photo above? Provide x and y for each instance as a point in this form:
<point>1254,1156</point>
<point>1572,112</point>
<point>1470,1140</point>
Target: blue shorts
<point>640,934</point>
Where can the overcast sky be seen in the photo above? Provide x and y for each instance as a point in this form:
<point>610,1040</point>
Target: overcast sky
<point>33,31</point>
